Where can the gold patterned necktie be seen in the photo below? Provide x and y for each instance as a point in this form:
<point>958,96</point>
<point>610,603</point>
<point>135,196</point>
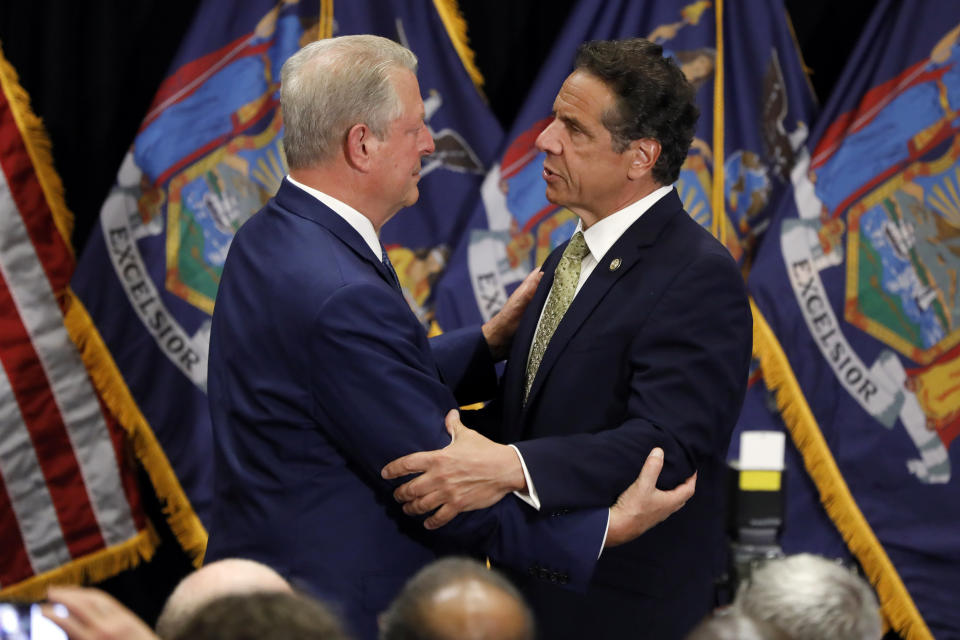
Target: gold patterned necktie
<point>565,280</point>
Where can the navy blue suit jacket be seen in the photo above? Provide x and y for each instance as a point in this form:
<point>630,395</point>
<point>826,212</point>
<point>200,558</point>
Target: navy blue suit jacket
<point>320,375</point>
<point>653,351</point>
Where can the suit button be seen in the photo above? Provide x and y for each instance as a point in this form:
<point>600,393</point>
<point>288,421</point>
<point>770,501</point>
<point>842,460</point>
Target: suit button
<point>564,579</point>
<point>532,570</point>
<point>543,573</point>
<point>554,577</point>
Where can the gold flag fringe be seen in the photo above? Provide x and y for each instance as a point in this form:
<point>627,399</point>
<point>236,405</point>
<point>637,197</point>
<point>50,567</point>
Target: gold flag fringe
<point>183,522</point>
<point>897,605</point>
<point>91,568</point>
<point>38,148</point>
<point>456,27</point>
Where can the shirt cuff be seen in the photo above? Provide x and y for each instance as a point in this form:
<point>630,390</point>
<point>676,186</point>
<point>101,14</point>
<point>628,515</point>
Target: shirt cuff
<point>530,495</point>
<point>606,530</point>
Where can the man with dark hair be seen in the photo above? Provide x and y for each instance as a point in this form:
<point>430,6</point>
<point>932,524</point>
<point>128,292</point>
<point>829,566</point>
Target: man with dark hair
<point>639,336</point>
<point>457,599</point>
<point>263,616</point>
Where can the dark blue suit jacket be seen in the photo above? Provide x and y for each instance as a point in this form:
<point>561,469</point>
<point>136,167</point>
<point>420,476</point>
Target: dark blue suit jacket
<point>653,351</point>
<point>320,375</point>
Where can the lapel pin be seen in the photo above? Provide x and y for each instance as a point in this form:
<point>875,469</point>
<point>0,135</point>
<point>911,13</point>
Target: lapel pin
<point>615,264</point>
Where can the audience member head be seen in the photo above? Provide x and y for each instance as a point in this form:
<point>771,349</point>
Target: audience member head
<point>262,616</point>
<point>809,597</point>
<point>332,84</point>
<point>457,599</point>
<point>217,579</point>
<point>730,624</point>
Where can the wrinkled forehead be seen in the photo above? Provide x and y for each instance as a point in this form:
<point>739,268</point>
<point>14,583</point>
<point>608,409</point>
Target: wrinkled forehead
<point>407,90</point>
<point>585,93</point>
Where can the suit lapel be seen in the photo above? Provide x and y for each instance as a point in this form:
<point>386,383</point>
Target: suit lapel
<point>298,202</point>
<point>630,249</point>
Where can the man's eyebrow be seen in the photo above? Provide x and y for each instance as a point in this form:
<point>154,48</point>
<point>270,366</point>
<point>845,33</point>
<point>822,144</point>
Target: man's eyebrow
<point>573,123</point>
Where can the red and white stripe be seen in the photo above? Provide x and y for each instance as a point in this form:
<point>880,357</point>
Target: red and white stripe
<point>62,493</point>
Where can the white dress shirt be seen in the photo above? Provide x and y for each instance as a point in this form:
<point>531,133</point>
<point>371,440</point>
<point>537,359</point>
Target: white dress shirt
<point>360,223</point>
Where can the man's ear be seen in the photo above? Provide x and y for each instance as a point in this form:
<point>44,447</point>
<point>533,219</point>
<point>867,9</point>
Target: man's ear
<point>359,147</point>
<point>644,154</point>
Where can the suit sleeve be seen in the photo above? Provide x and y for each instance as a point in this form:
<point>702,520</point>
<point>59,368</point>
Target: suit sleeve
<point>376,390</point>
<point>466,364</point>
<point>688,369</point>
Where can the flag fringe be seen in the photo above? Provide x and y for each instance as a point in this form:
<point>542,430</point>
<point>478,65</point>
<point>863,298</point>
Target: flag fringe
<point>183,521</point>
<point>897,605</point>
<point>456,26</point>
<point>107,562</point>
<point>38,147</point>
<point>91,568</point>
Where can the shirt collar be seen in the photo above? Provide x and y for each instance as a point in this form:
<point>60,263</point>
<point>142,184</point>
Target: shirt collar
<point>360,223</point>
<point>602,234</point>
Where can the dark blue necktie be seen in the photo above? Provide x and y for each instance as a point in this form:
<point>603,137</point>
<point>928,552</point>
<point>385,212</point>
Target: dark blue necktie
<point>393,272</point>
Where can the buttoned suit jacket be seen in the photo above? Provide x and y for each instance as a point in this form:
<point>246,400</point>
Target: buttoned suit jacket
<point>319,375</point>
<point>653,351</point>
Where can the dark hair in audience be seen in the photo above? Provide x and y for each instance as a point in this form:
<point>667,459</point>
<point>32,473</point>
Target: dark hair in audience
<point>730,624</point>
<point>263,616</point>
<point>654,99</point>
<point>408,615</point>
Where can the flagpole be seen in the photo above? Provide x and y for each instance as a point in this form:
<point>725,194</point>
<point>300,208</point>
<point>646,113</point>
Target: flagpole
<point>717,225</point>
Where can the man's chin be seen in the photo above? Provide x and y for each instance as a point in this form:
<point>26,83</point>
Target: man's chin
<point>412,197</point>
<point>553,196</point>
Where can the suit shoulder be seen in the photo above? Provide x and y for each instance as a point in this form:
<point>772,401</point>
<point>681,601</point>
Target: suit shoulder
<point>700,244</point>
<point>276,246</point>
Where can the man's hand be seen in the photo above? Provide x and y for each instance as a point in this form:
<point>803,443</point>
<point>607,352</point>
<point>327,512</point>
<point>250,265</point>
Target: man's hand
<point>642,505</point>
<point>94,615</point>
<point>472,472</point>
<point>499,330</point>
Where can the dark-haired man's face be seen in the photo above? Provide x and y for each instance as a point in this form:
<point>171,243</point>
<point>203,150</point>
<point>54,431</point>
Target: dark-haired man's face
<point>582,170</point>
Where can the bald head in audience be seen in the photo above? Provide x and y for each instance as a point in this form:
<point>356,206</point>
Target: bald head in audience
<point>232,576</point>
<point>809,597</point>
<point>457,598</point>
<point>263,616</point>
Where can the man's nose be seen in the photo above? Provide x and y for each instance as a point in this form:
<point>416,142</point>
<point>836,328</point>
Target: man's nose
<point>426,142</point>
<point>548,141</point>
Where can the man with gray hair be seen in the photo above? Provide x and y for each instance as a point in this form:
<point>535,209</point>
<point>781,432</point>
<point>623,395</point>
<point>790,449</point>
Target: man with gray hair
<point>808,597</point>
<point>458,599</point>
<point>320,374</point>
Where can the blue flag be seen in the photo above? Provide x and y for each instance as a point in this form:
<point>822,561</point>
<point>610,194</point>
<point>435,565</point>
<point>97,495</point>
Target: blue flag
<point>765,108</point>
<point>856,285</point>
<point>207,156</point>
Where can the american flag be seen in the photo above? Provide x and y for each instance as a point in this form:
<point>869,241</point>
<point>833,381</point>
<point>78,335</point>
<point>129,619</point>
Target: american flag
<point>69,505</point>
